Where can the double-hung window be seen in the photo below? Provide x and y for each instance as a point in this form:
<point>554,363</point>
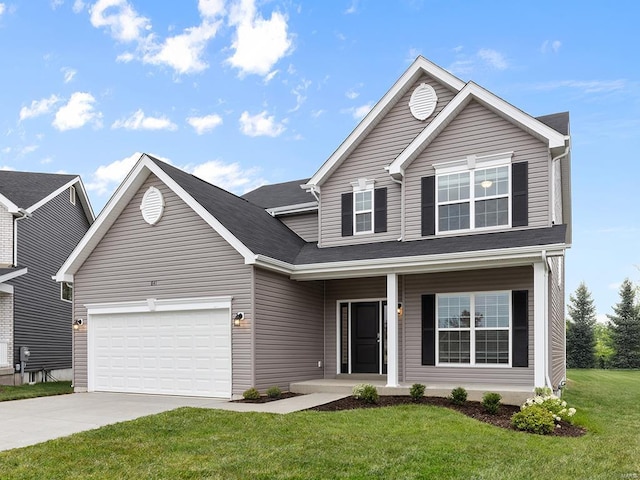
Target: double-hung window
<point>474,193</point>
<point>474,328</point>
<point>363,211</point>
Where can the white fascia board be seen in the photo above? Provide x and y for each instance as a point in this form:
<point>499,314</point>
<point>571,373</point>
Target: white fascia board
<point>419,67</point>
<point>272,264</point>
<point>426,263</point>
<point>470,92</point>
<point>109,214</point>
<point>160,305</point>
<point>291,209</point>
<point>6,288</point>
<point>16,273</point>
<point>9,205</point>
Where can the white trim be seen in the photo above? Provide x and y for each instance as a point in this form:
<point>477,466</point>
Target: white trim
<point>552,138</point>
<point>160,305</point>
<point>539,320</point>
<point>291,209</point>
<point>72,195</point>
<point>125,192</point>
<point>392,331</point>
<point>6,288</point>
<point>9,205</point>
<point>362,191</point>
<point>473,162</point>
<point>418,68</point>
<point>62,291</point>
<point>15,273</point>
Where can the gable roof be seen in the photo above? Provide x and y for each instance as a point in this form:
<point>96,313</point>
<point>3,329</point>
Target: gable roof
<point>418,68</point>
<point>27,191</point>
<point>558,121</point>
<point>246,227</point>
<point>472,91</point>
<point>280,195</point>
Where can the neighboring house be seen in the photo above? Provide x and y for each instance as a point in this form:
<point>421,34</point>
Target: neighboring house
<point>445,202</point>
<point>43,216</point>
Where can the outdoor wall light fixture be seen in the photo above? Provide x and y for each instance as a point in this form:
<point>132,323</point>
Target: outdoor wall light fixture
<point>399,309</point>
<point>77,323</point>
<point>237,318</point>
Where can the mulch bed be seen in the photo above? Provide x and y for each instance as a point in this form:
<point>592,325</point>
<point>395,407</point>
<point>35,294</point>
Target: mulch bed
<point>475,410</point>
<point>265,399</point>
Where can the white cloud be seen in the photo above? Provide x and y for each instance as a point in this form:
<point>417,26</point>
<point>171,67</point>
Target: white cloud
<point>270,76</point>
<point>260,124</point>
<point>317,113</point>
<point>358,112</point>
<point>299,92</point>
<point>78,111</point>
<point>46,160</point>
<point>205,124</point>
<point>38,107</point>
<point>258,43</point>
<point>551,45</point>
<point>78,6</point>
<point>7,168</point>
<point>184,52</point>
<point>230,176</point>
<point>56,3</point>
<point>2,8</point>
<point>139,121</point>
<point>353,8</point>
<point>493,58</point>
<point>107,177</point>
<point>27,150</point>
<point>587,86</point>
<point>211,8</point>
<point>69,74</point>
<point>353,93</point>
<point>120,18</point>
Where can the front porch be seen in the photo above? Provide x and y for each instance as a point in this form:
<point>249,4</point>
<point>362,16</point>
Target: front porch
<point>344,384</point>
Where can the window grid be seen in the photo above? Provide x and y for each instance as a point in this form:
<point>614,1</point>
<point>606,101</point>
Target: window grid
<point>363,211</point>
<point>486,205</point>
<point>485,341</point>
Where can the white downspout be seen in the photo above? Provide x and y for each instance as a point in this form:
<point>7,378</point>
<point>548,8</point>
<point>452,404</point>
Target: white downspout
<point>24,214</point>
<point>546,323</point>
<point>553,181</point>
<point>401,183</point>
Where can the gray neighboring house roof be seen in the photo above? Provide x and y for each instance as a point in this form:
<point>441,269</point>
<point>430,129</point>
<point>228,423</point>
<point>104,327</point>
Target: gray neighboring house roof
<point>280,194</point>
<point>28,188</point>
<point>249,223</point>
<point>558,121</point>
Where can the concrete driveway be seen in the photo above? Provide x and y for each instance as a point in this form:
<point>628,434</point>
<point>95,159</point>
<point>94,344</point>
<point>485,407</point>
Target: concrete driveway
<point>27,422</point>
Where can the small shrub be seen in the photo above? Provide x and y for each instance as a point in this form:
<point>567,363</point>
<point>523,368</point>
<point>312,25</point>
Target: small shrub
<point>491,402</point>
<point>555,405</point>
<point>367,393</point>
<point>542,391</point>
<point>251,394</point>
<point>458,396</point>
<point>274,392</point>
<point>417,391</point>
<point>534,419</point>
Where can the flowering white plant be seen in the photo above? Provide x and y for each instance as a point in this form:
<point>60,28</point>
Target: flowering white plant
<point>547,400</point>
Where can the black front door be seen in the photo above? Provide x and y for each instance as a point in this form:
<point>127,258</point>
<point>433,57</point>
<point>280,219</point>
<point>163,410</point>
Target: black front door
<point>365,337</point>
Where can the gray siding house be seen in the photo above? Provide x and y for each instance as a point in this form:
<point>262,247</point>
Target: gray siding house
<point>42,218</point>
<point>445,203</point>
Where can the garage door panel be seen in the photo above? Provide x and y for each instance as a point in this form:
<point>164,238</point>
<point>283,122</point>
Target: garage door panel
<point>179,353</point>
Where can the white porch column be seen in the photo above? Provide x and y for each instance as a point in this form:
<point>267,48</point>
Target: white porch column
<point>539,323</point>
<point>392,330</point>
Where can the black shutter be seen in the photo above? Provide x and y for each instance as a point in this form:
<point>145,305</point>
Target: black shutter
<point>347,214</point>
<point>428,329</point>
<point>380,214</point>
<point>520,331</point>
<point>520,194</point>
<point>428,205</point>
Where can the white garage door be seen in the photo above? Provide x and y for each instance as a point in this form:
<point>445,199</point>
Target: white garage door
<point>168,352</point>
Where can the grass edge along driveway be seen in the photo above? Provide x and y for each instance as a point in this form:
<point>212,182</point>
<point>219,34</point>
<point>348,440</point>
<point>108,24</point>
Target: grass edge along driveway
<point>407,442</point>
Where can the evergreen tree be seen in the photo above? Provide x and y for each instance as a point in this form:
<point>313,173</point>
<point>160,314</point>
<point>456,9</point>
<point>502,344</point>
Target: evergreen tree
<point>604,345</point>
<point>581,341</point>
<point>625,328</point>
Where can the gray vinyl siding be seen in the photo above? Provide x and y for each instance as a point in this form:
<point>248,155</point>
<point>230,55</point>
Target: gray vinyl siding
<point>479,131</point>
<point>353,289</point>
<point>376,151</point>
<point>183,255</point>
<point>517,278</point>
<point>42,320</point>
<point>305,225</point>
<point>289,329</point>
<point>557,335</point>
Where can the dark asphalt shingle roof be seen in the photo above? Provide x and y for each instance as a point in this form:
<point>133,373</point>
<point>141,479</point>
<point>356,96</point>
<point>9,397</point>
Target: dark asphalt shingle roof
<point>433,246</point>
<point>249,223</point>
<point>280,194</point>
<point>558,121</point>
<point>27,188</point>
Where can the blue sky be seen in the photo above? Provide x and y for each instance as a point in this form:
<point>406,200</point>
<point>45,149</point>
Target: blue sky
<point>249,92</point>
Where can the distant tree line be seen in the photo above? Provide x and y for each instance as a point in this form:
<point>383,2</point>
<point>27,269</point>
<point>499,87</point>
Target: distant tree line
<point>615,344</point>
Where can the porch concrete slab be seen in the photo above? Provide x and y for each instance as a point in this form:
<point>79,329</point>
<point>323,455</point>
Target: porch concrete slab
<point>35,420</point>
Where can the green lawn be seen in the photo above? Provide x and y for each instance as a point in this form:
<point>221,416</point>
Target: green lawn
<point>405,442</point>
<point>31,391</point>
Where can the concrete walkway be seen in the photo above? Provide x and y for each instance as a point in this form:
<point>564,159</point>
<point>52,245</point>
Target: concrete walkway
<point>27,422</point>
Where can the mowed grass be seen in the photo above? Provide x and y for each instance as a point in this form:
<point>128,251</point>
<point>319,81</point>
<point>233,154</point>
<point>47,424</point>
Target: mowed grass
<point>406,442</point>
<point>32,391</point>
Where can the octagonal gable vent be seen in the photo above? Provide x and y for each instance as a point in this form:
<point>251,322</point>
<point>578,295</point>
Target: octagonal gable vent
<point>423,101</point>
<point>152,206</point>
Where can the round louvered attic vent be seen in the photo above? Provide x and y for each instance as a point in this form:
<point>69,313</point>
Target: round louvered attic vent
<point>423,101</point>
<point>152,206</point>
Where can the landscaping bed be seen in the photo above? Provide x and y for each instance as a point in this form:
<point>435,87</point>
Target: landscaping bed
<point>471,409</point>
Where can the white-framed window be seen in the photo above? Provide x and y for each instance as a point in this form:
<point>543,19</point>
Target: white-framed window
<point>473,328</point>
<point>66,291</point>
<point>363,204</point>
<point>72,195</point>
<point>474,193</point>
